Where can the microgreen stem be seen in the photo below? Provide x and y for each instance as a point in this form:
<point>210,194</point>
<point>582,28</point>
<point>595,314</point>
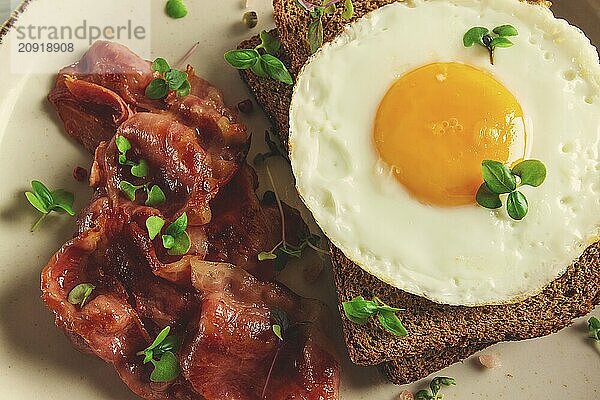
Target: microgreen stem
<point>278,205</point>
<point>276,246</point>
<point>187,55</point>
<point>315,248</point>
<point>264,391</point>
<point>38,222</point>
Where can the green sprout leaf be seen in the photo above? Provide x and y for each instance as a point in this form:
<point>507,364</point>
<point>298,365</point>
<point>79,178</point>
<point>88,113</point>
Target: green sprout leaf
<point>162,335</point>
<point>42,192</point>
<point>154,225</point>
<point>161,354</point>
<point>390,321</point>
<point>166,368</point>
<point>315,35</point>
<point>157,89</point>
<point>594,328</point>
<point>175,78</point>
<point>160,65</point>
<point>37,203</point>
<point>517,205</point>
<point>423,395</point>
<point>45,201</point>
<point>348,9</point>
<point>176,9</point>
<point>475,36</point>
<point>181,245</point>
<point>129,189</point>
<point>123,144</point>
<point>500,41</point>
<point>486,198</point>
<point>80,293</point>
<point>156,196</point>
<point>242,59</point>
<point>498,177</point>
<point>141,169</point>
<point>168,241</point>
<point>359,310</point>
<point>505,30</point>
<point>434,388</point>
<point>264,255</point>
<point>531,172</point>
<point>178,226</point>
<point>275,69</point>
<point>269,43</point>
<point>184,89</point>
<point>277,331</point>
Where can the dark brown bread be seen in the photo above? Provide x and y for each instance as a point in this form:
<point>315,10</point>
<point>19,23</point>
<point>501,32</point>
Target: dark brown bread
<point>439,335</point>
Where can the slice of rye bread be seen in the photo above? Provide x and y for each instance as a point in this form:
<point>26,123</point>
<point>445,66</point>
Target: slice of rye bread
<point>439,335</point>
<point>292,23</point>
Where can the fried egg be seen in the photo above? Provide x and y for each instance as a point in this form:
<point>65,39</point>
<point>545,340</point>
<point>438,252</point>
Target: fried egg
<point>389,124</point>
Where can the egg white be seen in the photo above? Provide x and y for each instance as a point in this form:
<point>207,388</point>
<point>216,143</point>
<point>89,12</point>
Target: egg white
<point>460,255</point>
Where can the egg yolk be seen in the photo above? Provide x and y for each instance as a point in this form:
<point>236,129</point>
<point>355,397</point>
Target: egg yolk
<point>437,123</point>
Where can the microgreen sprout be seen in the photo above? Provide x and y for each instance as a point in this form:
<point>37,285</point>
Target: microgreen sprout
<point>138,169</point>
<point>154,194</point>
<point>168,79</point>
<point>359,310</point>
<point>499,179</point>
<point>283,250</point>
<point>80,293</point>
<point>175,239</point>
<point>499,37</point>
<point>46,201</point>
<point>434,388</point>
<point>161,353</point>
<point>262,60</point>
<point>317,11</point>
<point>176,9</point>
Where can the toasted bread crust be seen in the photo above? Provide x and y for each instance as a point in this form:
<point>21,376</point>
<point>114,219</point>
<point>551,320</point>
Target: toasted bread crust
<point>439,335</point>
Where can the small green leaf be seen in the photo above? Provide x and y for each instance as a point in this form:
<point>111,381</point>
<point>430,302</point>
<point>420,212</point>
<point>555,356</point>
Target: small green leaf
<point>63,200</point>
<point>166,369</point>
<point>184,89</point>
<point>148,356</point>
<point>423,395</point>
<point>155,196</point>
<point>269,43</point>
<point>176,9</point>
<point>123,144</point>
<point>175,78</point>
<point>178,226</point>
<point>160,337</point>
<point>264,255</point>
<point>129,189</point>
<point>160,65</point>
<point>242,59</point>
<point>42,193</point>
<point>280,317</point>
<point>486,198</point>
<point>277,331</point>
<point>157,89</point>
<point>330,9</point>
<point>258,70</point>
<point>80,293</point>
<point>390,321</point>
<point>500,41</point>
<point>382,306</point>
<point>168,241</point>
<point>275,69</point>
<point>36,203</point>
<point>122,159</point>
<point>140,169</point>
<point>506,30</point>
<point>181,245</point>
<point>593,324</point>
<point>154,225</point>
<point>498,177</point>
<point>516,205</point>
<point>358,310</point>
<point>531,172</point>
<point>348,9</point>
<point>315,35</point>
<point>475,36</point>
<point>171,343</point>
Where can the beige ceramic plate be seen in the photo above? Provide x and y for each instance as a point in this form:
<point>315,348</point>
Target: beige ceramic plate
<point>37,361</point>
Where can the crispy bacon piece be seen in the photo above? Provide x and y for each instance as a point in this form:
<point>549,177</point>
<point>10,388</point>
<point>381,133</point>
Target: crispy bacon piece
<point>229,354</point>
